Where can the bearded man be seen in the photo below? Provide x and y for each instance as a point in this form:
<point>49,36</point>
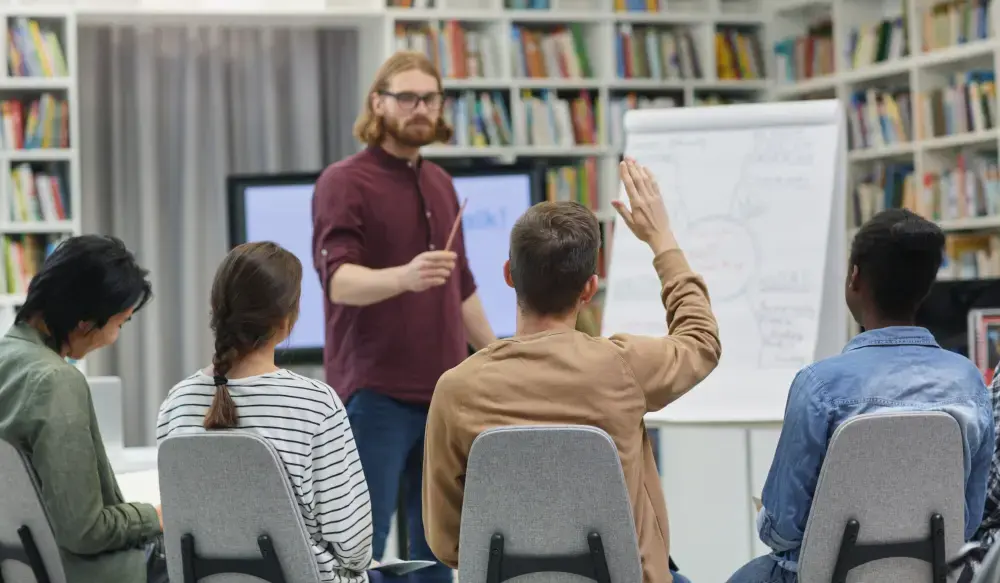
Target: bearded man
<point>401,308</point>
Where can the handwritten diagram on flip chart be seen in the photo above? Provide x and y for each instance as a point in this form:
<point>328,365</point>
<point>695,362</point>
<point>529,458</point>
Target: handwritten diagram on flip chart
<point>750,194</point>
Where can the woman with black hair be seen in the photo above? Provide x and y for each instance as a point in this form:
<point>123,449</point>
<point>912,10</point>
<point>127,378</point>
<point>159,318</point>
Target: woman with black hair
<point>86,290</point>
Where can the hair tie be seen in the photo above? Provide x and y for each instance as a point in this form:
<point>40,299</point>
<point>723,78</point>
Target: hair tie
<point>221,380</point>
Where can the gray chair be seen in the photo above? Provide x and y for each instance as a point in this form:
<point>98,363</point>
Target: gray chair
<point>546,503</point>
<point>28,549</point>
<point>229,510</point>
<point>890,501</point>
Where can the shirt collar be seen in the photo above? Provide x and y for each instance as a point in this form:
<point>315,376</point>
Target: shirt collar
<point>26,332</point>
<point>393,161</point>
<point>893,336</point>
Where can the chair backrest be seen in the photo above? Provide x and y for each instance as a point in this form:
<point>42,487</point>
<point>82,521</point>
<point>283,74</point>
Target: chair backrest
<point>226,489</point>
<point>890,472</point>
<point>545,489</point>
<point>21,506</point>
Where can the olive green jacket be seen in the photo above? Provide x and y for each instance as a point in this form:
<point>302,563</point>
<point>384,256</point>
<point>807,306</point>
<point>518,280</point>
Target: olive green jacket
<point>47,412</point>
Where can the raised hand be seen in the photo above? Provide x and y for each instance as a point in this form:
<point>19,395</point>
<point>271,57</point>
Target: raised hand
<point>646,216</point>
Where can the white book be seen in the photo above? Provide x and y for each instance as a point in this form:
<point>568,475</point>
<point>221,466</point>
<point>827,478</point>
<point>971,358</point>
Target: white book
<point>141,486</point>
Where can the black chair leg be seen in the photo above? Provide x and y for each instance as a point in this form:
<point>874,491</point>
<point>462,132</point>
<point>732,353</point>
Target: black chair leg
<point>266,567</point>
<point>931,550</point>
<point>593,564</point>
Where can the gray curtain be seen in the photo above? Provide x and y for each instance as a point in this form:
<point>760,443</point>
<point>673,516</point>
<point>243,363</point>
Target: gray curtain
<point>166,113</point>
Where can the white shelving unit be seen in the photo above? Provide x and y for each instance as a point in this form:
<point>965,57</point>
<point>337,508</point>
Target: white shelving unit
<point>44,160</point>
<point>599,22</point>
<point>920,71</point>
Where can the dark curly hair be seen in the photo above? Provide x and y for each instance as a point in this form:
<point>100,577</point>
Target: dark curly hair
<point>898,254</point>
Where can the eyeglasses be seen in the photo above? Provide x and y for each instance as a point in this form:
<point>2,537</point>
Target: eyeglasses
<point>409,101</point>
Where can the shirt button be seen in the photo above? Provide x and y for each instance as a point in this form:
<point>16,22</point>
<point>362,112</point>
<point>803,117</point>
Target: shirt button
<point>431,246</point>
<point>323,252</point>
<point>428,214</point>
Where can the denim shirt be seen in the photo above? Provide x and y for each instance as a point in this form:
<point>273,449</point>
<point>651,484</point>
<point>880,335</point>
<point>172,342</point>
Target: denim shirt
<point>897,369</point>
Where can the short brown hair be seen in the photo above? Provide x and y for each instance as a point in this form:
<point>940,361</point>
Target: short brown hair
<point>370,128</point>
<point>553,252</point>
<point>256,289</point>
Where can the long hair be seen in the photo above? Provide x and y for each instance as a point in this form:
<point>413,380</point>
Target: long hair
<point>369,128</point>
<point>255,292</point>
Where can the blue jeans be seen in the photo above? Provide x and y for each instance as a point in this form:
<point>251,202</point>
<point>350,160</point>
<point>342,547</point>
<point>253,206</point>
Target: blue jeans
<point>380,577</point>
<point>763,570</point>
<point>678,578</point>
<point>390,439</point>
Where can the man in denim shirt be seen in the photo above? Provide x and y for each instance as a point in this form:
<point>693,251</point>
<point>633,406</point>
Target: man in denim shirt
<point>893,365</point>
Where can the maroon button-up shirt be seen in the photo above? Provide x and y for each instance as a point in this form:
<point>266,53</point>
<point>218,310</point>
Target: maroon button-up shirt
<point>379,211</point>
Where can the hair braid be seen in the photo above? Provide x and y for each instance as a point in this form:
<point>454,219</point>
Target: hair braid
<point>222,413</point>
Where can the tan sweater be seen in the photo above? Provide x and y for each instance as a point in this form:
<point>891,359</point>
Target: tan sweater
<point>568,377</point>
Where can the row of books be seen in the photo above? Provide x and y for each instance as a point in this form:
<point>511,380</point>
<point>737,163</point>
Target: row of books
<point>805,57</point>
<point>968,104</point>
<point>458,51</point>
<point>618,106</point>
<point>878,42</point>
<point>528,4</point>
<point>38,193</point>
<point>561,52</point>
<point>646,52</point>
<point>37,123</point>
<point>738,54</point>
<point>969,189</point>
<point>640,5</point>
<point>577,182</point>
<point>33,51</point>
<point>887,186</point>
<point>410,3</point>
<point>955,22</point>
<point>481,119</point>
<point>878,118</point>
<point>22,257</point>
<point>550,120</point>
<point>970,256</point>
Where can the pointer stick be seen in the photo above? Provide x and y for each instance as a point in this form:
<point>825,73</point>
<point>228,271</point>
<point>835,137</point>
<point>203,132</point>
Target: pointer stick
<point>454,228</point>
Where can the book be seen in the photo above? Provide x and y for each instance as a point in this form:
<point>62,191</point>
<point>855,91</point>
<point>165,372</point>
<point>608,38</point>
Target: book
<point>397,567</point>
<point>141,486</point>
<point>984,340</point>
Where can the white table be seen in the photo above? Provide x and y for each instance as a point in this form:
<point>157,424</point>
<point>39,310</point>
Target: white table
<point>132,459</point>
<point>135,468</point>
<point>709,471</point>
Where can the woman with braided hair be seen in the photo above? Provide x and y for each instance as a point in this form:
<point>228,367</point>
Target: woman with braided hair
<point>255,302</point>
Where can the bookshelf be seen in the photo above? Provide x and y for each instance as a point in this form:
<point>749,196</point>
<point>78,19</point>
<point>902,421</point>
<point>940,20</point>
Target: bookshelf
<point>40,195</point>
<point>918,80</point>
<point>553,78</point>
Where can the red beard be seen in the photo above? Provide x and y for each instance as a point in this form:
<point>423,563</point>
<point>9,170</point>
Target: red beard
<point>412,134</point>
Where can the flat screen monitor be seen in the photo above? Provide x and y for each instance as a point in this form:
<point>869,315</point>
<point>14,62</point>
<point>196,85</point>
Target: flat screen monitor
<point>278,208</point>
<point>497,197</point>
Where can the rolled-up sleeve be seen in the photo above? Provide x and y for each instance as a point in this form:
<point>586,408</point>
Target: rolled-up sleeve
<point>338,223</point>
